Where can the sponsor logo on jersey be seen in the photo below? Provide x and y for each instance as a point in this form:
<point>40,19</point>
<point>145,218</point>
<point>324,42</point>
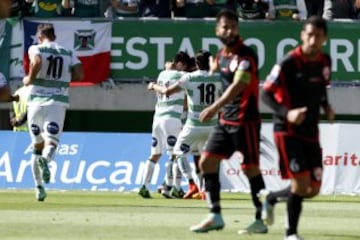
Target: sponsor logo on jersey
<point>84,40</point>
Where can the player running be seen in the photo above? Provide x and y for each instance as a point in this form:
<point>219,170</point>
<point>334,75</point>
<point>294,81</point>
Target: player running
<point>52,67</point>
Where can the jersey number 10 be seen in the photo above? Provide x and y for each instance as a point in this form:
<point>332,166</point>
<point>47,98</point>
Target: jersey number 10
<point>55,67</point>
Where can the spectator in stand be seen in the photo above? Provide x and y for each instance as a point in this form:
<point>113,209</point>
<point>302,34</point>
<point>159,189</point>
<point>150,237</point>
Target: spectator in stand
<point>195,8</point>
<point>84,8</point>
<point>19,8</point>
<point>315,7</point>
<point>45,8</point>
<point>124,8</point>
<point>178,8</point>
<point>217,5</point>
<point>335,9</point>
<point>252,9</point>
<point>287,9</point>
<point>357,9</point>
<point>155,8</point>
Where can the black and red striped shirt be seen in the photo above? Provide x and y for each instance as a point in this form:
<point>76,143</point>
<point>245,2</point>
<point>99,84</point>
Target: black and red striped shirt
<point>244,107</point>
<point>297,82</point>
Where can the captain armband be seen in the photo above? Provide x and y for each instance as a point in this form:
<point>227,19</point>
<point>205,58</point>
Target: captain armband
<point>242,76</point>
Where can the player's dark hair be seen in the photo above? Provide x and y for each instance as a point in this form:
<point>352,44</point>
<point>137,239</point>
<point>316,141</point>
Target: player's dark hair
<point>192,66</point>
<point>227,13</point>
<point>202,59</point>
<point>47,30</point>
<point>317,22</point>
<point>182,57</point>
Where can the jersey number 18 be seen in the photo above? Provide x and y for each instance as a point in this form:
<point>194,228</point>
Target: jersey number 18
<point>207,93</point>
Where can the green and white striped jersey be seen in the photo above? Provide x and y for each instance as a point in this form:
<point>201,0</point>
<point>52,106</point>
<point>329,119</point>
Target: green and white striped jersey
<point>51,85</point>
<point>202,89</point>
<point>169,106</point>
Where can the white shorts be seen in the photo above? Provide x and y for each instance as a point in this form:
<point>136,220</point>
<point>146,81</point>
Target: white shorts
<point>46,123</point>
<point>164,135</point>
<point>191,140</point>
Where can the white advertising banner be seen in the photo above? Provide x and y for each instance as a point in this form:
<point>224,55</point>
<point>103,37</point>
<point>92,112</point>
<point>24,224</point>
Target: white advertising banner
<point>340,160</point>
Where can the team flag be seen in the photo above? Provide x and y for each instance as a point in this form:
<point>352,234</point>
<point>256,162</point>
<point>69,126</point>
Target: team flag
<point>90,40</point>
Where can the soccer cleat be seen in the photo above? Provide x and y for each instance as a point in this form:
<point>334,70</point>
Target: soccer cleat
<point>161,187</point>
<point>166,193</point>
<point>293,237</point>
<point>256,227</point>
<point>214,221</point>
<point>40,193</point>
<point>44,169</point>
<point>177,193</point>
<point>192,190</point>
<point>144,192</point>
<point>199,195</point>
<point>267,211</point>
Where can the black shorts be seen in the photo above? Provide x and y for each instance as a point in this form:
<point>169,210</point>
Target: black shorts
<point>224,140</point>
<point>298,156</point>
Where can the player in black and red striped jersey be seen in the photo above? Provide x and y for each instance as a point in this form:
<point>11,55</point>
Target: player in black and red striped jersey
<point>238,129</point>
<point>296,90</point>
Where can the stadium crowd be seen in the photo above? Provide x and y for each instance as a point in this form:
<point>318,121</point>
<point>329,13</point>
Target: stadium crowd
<point>246,9</point>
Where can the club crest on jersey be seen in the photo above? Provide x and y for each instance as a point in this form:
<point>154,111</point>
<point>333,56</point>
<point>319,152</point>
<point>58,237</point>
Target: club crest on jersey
<point>234,64</point>
<point>84,40</point>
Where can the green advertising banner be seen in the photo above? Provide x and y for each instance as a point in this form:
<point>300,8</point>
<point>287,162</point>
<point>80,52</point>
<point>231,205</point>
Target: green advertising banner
<point>140,48</point>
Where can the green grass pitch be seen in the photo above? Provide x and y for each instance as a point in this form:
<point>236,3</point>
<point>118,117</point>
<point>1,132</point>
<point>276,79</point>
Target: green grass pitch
<point>113,215</point>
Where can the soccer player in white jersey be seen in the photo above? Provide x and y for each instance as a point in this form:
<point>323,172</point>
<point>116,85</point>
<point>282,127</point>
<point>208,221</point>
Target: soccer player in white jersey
<point>166,123</point>
<point>52,67</point>
<point>202,89</point>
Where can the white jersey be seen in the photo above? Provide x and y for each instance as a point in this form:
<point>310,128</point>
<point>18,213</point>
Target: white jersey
<point>202,89</point>
<point>51,86</point>
<point>3,81</point>
<point>169,106</point>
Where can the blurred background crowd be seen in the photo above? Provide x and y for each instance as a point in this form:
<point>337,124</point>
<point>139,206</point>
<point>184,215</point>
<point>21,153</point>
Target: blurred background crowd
<point>247,9</point>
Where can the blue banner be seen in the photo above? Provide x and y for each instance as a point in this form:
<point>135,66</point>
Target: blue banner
<point>84,161</point>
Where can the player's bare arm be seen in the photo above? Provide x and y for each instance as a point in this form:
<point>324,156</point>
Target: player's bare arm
<point>296,115</point>
<point>166,90</point>
<point>330,113</point>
